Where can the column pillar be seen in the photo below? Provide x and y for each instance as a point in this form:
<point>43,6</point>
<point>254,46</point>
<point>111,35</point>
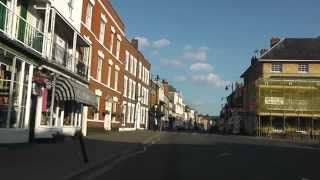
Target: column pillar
<point>47,40</point>
<point>12,20</point>
<point>57,117</point>
<point>28,102</point>
<point>74,52</point>
<point>52,99</point>
<point>84,120</point>
<point>20,92</point>
<point>52,31</point>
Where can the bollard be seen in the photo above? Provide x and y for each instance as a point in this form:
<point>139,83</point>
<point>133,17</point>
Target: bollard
<point>82,146</point>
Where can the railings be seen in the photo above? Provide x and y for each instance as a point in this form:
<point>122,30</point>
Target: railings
<point>20,29</point>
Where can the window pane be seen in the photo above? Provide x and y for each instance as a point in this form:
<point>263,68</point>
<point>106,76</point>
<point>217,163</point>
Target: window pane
<point>276,68</point>
<point>102,30</point>
<point>303,68</point>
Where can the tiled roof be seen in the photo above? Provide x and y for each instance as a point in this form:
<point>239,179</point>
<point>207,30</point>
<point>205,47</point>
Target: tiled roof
<point>295,49</point>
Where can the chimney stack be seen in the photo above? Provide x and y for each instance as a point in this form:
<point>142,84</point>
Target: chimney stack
<point>274,41</point>
<point>135,43</point>
<point>165,87</point>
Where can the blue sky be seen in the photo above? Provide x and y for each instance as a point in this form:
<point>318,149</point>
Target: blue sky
<point>200,46</point>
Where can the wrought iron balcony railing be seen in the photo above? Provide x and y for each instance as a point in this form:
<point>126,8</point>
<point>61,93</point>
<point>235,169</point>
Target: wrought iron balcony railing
<point>19,29</point>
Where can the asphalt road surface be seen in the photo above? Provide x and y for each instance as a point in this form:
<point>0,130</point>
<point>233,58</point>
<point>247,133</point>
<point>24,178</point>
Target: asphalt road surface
<point>200,156</point>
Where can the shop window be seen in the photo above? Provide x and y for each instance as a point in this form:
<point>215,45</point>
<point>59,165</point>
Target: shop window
<point>14,81</point>
<point>91,112</point>
<point>45,106</point>
<point>68,114</point>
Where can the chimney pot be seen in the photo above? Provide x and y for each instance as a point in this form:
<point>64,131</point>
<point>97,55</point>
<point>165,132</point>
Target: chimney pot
<point>135,43</point>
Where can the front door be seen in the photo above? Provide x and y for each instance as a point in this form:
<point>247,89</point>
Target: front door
<point>107,117</point>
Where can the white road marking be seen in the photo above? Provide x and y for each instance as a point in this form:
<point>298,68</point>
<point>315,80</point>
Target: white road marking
<point>110,166</point>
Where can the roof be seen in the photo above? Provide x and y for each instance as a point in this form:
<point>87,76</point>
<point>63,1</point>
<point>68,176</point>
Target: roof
<point>295,49</point>
<point>291,49</point>
<point>172,89</point>
<point>114,13</point>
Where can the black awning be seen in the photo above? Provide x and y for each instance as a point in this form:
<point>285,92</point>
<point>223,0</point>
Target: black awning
<point>69,90</point>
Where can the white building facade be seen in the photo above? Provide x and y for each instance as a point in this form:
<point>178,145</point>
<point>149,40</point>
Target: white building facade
<point>176,98</point>
<point>136,90</point>
<point>43,69</point>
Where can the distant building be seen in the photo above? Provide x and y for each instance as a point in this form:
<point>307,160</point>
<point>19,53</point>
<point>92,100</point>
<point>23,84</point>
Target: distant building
<point>176,98</point>
<point>159,105</point>
<point>136,88</point>
<point>281,88</point>
<point>231,116</point>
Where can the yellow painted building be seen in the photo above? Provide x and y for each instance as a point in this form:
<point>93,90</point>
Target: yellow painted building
<point>282,88</point>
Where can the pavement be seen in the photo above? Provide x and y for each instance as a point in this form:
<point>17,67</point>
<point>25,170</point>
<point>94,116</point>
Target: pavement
<point>167,155</point>
<point>63,160</point>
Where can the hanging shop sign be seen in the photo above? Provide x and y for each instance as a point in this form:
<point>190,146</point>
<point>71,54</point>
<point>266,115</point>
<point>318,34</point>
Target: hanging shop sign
<point>39,79</point>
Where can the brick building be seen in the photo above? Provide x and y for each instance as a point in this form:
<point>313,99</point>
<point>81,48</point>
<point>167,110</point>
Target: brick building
<point>103,28</point>
<point>136,88</point>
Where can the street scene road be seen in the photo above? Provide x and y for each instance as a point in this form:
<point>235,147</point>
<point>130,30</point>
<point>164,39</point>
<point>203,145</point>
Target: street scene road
<point>159,90</point>
<point>207,156</point>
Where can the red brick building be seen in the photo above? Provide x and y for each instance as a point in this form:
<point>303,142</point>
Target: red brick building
<point>103,28</point>
<point>136,88</point>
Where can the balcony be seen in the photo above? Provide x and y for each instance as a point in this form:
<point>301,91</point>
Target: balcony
<point>61,45</point>
<point>18,28</point>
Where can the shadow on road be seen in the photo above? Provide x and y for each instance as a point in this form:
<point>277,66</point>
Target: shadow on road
<point>169,156</point>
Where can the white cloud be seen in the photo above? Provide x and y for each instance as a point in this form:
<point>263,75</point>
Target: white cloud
<point>188,47</point>
<point>161,43</point>
<point>153,46</point>
<point>210,79</point>
<point>172,62</point>
<point>180,78</point>
<point>200,54</point>
<point>143,41</point>
<point>201,67</point>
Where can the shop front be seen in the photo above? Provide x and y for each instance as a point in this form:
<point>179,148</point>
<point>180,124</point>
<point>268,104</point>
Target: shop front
<point>15,92</point>
<point>61,104</point>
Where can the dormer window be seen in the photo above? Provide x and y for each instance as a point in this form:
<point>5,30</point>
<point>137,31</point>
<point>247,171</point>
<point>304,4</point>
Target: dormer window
<point>276,67</point>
